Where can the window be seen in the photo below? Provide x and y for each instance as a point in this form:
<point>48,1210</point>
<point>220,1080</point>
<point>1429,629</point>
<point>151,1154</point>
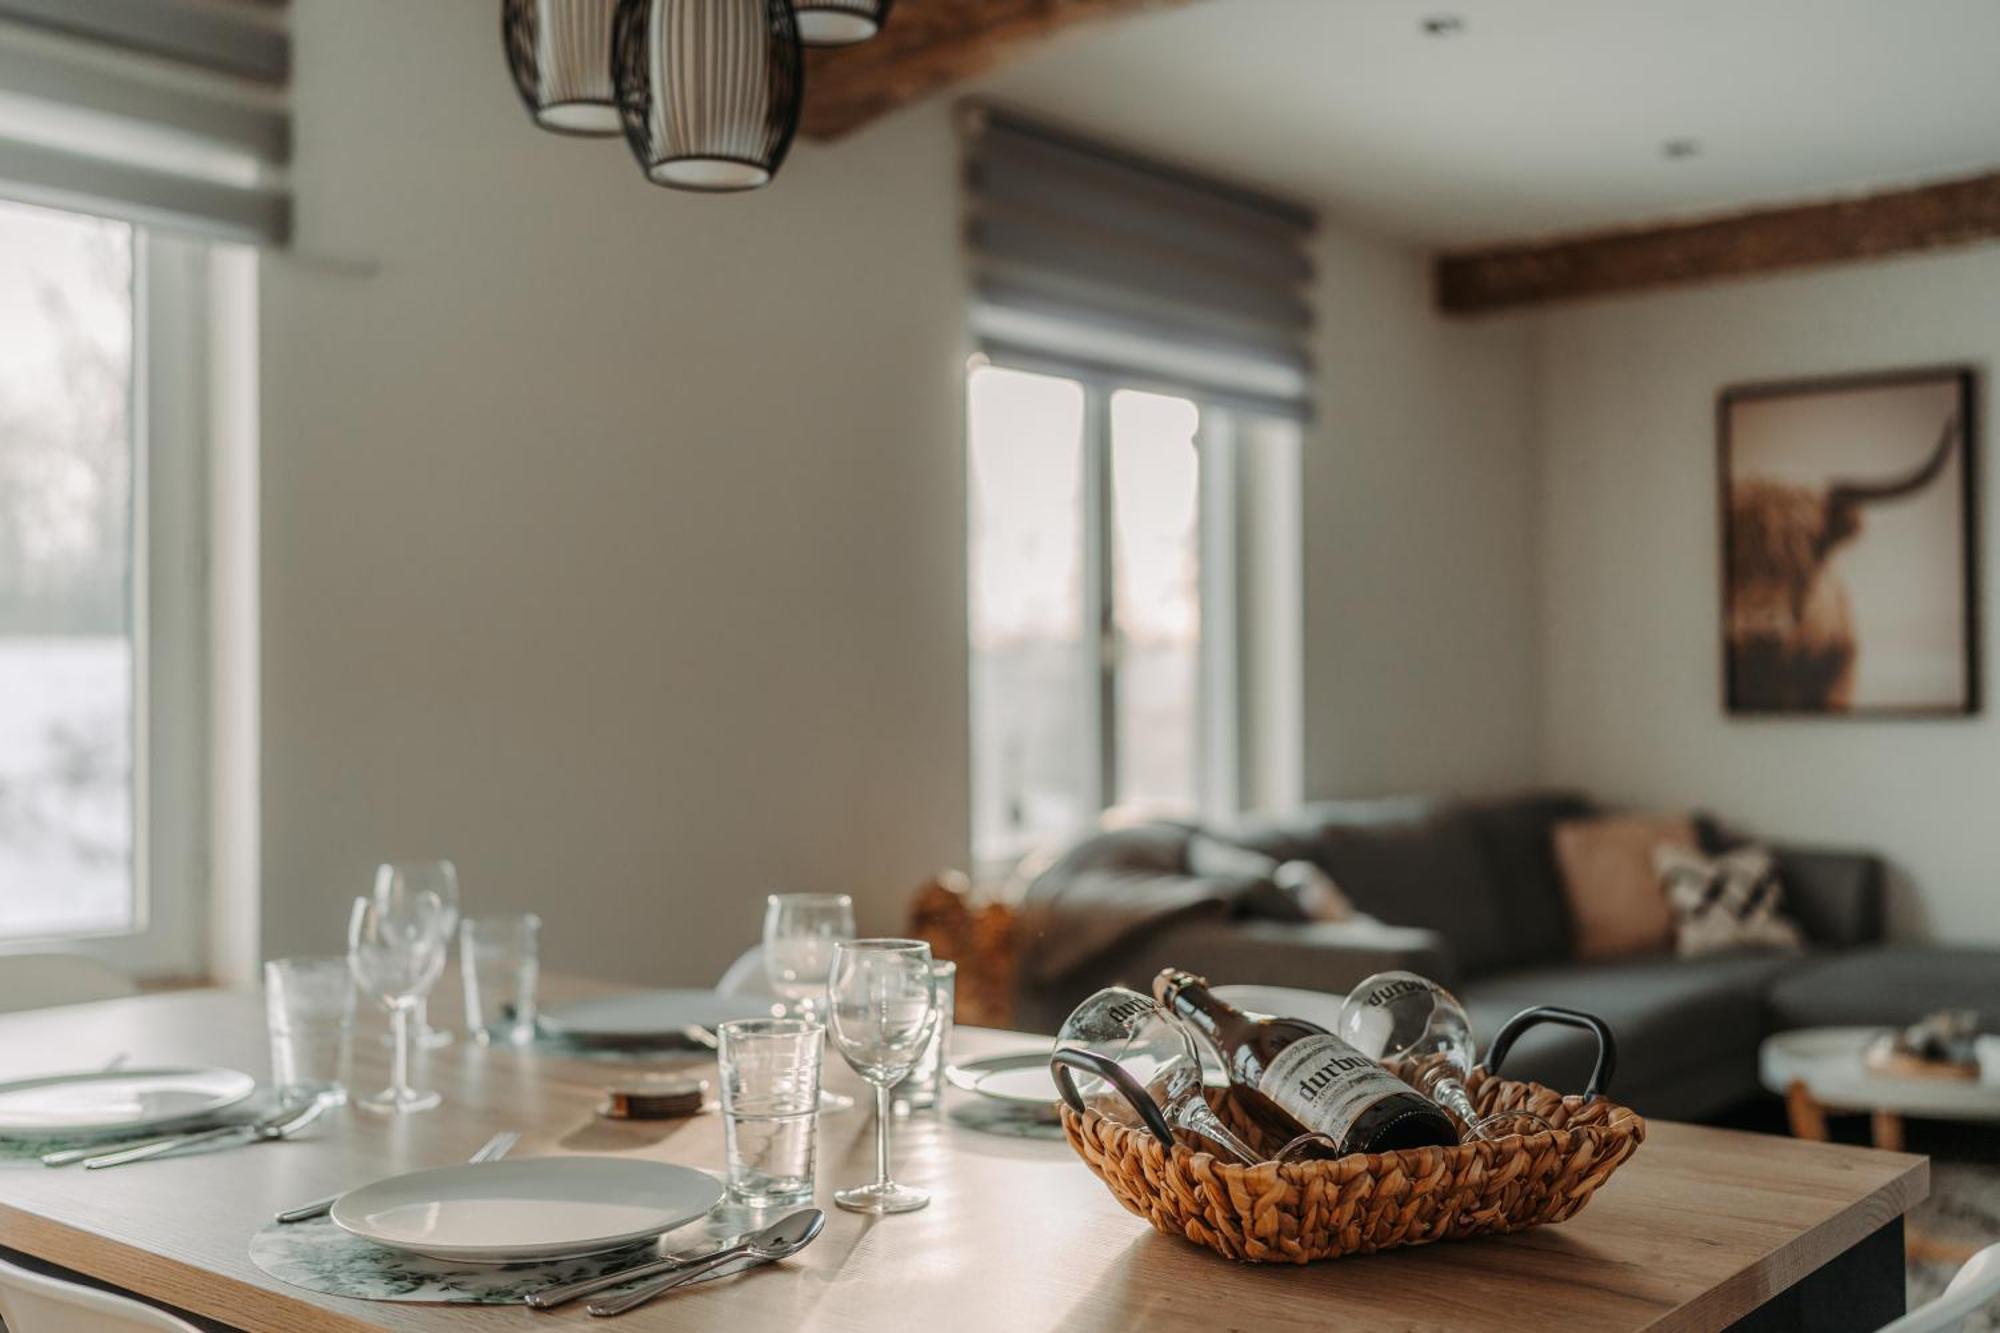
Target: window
<point>1108,643</point>
<point>100,499</point>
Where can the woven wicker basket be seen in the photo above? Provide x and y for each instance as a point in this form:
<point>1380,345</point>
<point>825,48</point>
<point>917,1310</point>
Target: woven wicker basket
<point>1301,1211</point>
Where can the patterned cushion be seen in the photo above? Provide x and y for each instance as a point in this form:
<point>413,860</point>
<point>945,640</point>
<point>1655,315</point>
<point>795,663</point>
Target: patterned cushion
<point>1720,903</point>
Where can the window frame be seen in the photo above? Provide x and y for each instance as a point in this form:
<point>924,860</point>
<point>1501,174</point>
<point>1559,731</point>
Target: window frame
<point>1224,439</point>
<point>168,623</point>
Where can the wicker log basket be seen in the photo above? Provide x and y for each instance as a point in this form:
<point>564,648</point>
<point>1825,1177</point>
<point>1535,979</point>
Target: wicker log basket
<point>1297,1212</point>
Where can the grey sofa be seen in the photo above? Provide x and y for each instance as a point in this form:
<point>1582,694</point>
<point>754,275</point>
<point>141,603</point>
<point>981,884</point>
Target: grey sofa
<point>1468,892</point>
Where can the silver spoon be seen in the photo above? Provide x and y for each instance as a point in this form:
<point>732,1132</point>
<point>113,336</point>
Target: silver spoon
<point>782,1239</point>
<point>550,1297</point>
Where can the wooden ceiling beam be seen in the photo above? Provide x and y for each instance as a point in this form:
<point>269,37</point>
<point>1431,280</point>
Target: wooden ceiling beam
<point>930,44</point>
<point>1929,217</point>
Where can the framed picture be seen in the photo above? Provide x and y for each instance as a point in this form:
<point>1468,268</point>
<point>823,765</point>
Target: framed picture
<point>1848,545</point>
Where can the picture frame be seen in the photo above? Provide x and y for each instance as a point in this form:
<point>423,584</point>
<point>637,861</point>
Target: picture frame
<point>1850,545</point>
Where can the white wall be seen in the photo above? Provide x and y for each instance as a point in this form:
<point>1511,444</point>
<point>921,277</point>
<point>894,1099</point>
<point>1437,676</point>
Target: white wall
<point>1421,670</point>
<point>1631,703</point>
<point>613,540</point>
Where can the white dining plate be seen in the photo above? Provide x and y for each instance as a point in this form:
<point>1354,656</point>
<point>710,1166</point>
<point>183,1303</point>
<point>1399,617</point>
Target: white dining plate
<point>529,1209</point>
<point>654,1017</point>
<point>124,1099</point>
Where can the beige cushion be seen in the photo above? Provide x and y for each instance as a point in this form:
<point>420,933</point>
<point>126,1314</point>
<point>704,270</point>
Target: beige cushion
<point>1615,897</point>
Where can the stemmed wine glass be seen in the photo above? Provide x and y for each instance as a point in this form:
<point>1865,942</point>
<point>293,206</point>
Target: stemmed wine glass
<point>1130,1031</point>
<point>883,1006</point>
<point>800,932</point>
<point>1403,1016</point>
<point>1139,1057</point>
<point>395,948</point>
<point>439,877</point>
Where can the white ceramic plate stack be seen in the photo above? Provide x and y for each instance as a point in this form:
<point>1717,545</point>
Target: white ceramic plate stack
<point>529,1210</point>
<point>124,1101</point>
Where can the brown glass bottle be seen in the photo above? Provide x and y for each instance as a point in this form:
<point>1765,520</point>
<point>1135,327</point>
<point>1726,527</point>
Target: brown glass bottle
<point>1297,1074</point>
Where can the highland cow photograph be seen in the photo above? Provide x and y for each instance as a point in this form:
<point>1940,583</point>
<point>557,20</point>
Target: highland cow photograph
<point>1847,545</point>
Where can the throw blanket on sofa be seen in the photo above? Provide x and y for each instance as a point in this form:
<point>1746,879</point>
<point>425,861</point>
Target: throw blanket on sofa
<point>1105,893</point>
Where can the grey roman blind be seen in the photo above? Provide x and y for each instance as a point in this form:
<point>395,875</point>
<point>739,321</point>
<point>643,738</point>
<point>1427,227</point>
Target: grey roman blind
<point>170,113</point>
<point>1093,262</point>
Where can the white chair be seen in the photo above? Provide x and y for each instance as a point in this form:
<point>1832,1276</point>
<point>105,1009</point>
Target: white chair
<point>746,976</point>
<point>1971,1288</point>
<point>31,1302</point>
<point>39,980</point>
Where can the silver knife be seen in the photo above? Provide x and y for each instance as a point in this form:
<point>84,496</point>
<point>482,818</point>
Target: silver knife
<point>282,1125</point>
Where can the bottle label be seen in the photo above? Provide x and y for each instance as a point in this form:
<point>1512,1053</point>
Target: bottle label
<point>1325,1084</point>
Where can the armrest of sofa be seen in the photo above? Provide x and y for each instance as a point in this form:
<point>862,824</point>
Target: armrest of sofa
<point>1836,897</point>
<point>1321,955</point>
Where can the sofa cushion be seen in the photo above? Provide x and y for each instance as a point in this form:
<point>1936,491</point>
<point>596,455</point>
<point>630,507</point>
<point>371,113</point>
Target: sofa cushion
<point>1615,897</point>
<point>1725,902</point>
<point>1517,834</point>
<point>1891,985</point>
<point>1674,1019</point>
<point>1417,864</point>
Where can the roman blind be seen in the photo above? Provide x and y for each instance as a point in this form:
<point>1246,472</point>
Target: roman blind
<point>1093,262</point>
<point>170,113</point>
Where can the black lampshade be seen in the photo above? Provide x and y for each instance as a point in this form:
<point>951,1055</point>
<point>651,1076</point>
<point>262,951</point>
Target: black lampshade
<point>840,22</point>
<point>709,90</point>
<point>560,55</point>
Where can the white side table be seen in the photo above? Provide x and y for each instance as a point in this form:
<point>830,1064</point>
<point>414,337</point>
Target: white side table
<point>1817,1070</point>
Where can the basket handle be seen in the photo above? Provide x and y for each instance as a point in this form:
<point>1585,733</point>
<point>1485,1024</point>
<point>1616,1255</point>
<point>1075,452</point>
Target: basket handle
<point>1104,1067</point>
<point>1607,1047</point>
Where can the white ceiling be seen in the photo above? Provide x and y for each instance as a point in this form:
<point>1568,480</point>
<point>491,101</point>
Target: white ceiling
<point>1541,116</point>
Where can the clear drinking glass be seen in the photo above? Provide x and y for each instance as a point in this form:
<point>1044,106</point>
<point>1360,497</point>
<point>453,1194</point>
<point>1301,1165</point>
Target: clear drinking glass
<point>1403,1016</point>
<point>395,948</point>
<point>770,1107</point>
<point>309,1010</point>
<point>883,1005</point>
<point>499,960</point>
<point>800,930</point>
<point>925,1085</point>
<point>441,878</point>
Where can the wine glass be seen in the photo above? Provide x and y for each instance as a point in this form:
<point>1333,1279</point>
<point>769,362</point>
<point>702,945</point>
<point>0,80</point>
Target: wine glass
<point>1403,1016</point>
<point>1156,1053</point>
<point>441,878</point>
<point>1141,1058</point>
<point>883,1004</point>
<point>395,948</point>
<point>800,931</point>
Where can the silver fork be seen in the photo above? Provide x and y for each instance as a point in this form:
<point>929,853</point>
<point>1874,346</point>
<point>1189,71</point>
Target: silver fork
<point>282,1125</point>
<point>491,1151</point>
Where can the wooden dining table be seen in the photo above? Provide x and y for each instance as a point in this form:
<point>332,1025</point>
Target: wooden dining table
<point>1704,1229</point>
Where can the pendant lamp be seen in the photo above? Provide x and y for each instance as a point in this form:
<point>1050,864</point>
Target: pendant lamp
<point>560,54</point>
<point>709,90</point>
<point>840,22</point>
